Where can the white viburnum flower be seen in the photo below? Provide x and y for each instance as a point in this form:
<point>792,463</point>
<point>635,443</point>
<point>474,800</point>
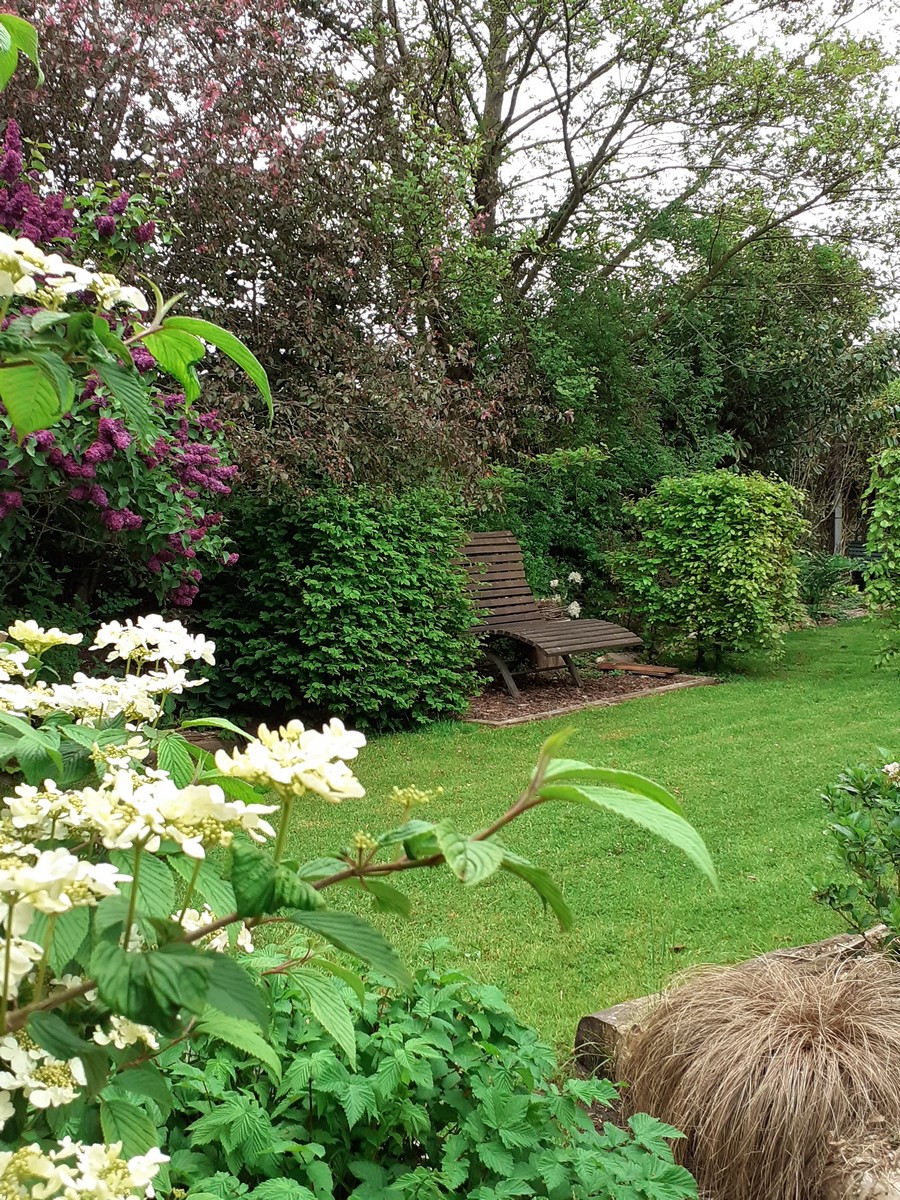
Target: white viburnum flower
<point>6,1108</point>
<point>575,577</point>
<point>892,770</point>
<point>554,584</point>
<point>36,640</point>
<point>23,955</point>
<point>48,1083</point>
<point>13,663</point>
<point>54,881</point>
<point>192,920</point>
<point>294,761</point>
<point>574,609</point>
<point>153,639</point>
<point>31,1174</point>
<point>123,1033</point>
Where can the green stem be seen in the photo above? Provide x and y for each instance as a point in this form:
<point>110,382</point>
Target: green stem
<point>132,902</point>
<point>7,964</point>
<point>190,890</point>
<point>286,808</point>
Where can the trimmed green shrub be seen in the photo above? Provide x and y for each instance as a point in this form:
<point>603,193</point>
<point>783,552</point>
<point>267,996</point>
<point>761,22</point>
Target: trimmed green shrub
<point>716,561</point>
<point>451,1096</point>
<point>825,587</point>
<point>348,603</point>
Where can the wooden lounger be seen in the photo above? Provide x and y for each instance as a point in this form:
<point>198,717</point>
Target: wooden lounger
<point>507,608</point>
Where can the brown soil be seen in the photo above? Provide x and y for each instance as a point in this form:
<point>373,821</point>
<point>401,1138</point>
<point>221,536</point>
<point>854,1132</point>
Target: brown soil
<point>543,695</point>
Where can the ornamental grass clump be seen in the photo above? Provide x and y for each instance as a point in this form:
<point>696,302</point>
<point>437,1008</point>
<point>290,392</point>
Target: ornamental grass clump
<point>767,1067</point>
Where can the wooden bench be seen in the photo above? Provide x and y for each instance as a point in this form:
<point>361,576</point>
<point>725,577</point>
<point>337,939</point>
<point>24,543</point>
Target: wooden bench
<point>507,608</point>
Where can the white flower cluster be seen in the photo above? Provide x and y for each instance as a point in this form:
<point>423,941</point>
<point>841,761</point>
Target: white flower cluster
<point>136,697</point>
<point>892,770</point>
<point>151,639</point>
<point>45,1081</point>
<point>47,279</point>
<point>295,760</point>
<point>131,807</point>
<point>192,919</point>
<point>75,1171</point>
<point>51,882</point>
<point>36,640</point>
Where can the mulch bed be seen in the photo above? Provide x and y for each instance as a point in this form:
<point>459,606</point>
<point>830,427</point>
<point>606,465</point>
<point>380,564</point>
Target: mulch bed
<point>552,695</point>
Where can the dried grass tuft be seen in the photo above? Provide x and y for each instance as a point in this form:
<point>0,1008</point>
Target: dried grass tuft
<point>768,1067</point>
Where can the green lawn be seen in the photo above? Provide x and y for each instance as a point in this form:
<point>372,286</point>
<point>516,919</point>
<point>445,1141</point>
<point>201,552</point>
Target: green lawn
<point>747,759</point>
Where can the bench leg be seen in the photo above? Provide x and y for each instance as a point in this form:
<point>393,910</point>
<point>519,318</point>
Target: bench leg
<point>505,675</point>
<point>573,671</point>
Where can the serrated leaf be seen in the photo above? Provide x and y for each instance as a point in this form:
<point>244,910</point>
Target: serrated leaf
<point>357,937</point>
<point>233,347</point>
<point>155,886</point>
<point>173,757</point>
<point>208,883</point>
<point>214,723</point>
<point>69,932</point>
<point>357,1098</point>
<point>625,781</point>
<point>242,1036</point>
<point>470,861</point>
<point>386,898</point>
<point>543,884</point>
<point>36,392</point>
<point>345,975</point>
<point>23,37</point>
<point>644,811</point>
<point>122,1121</point>
<point>145,1079</point>
<point>281,1189</point>
<point>177,352</point>
<point>261,886</point>
<point>232,991</point>
<point>128,390</point>
<point>329,1009</point>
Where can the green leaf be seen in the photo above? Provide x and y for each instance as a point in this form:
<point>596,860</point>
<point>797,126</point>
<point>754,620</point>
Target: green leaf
<point>470,861</point>
<point>5,39</point>
<point>177,352</point>
<point>542,883</point>
<point>49,1030</point>
<point>155,887</point>
<point>233,347</point>
<point>211,887</point>
<point>234,992</point>
<point>357,937</point>
<point>9,60</point>
<point>625,781</point>
<point>122,1121</point>
<point>386,898</point>
<point>154,986</point>
<point>126,387</point>
<point>174,758</point>
<point>329,1009</point>
<point>262,886</point>
<point>36,391</point>
<point>23,37</point>
<point>30,744</point>
<point>215,723</point>
<point>145,1079</point>
<point>69,932</point>
<point>243,1036</point>
<point>279,1189</point>
<point>644,811</point>
<point>347,976</point>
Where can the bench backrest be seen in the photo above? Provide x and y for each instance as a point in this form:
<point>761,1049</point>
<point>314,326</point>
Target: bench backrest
<point>497,583</point>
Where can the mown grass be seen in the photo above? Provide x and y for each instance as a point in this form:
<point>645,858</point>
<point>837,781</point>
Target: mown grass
<point>747,759</point>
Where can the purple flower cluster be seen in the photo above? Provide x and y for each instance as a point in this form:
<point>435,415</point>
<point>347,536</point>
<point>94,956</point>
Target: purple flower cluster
<point>22,209</point>
<point>9,502</point>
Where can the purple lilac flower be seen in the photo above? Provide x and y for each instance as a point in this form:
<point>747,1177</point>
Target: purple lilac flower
<point>142,358</point>
<point>105,225</point>
<point>81,491</point>
<point>98,496</point>
<point>120,203</point>
<point>9,501</point>
<point>114,433</point>
<point>145,233</point>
